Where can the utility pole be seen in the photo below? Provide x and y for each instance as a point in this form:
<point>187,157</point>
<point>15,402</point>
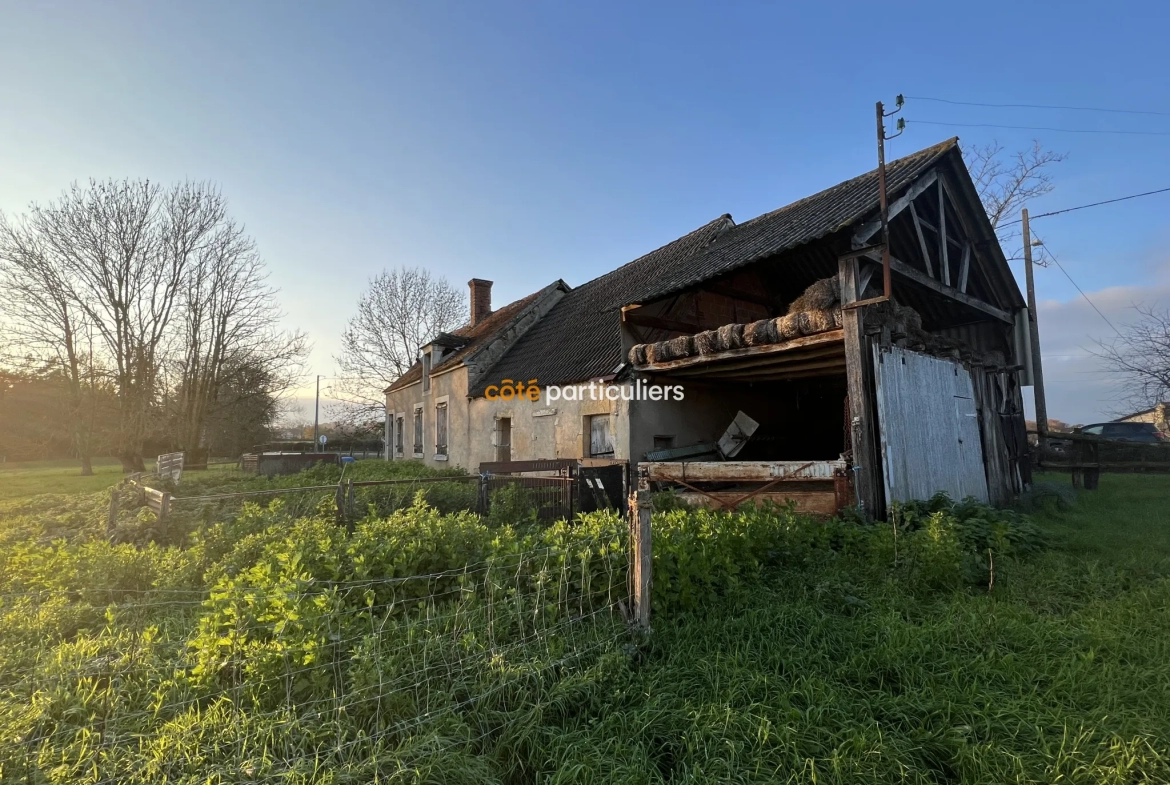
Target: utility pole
<point>1037,366</point>
<point>317,402</point>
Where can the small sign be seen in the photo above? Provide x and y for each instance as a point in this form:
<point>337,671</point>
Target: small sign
<point>322,438</point>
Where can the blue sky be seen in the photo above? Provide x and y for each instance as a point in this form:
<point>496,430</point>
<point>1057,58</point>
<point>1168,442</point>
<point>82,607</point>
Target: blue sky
<point>525,142</point>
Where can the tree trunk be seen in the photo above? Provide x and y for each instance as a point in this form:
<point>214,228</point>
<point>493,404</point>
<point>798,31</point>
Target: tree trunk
<point>86,466</point>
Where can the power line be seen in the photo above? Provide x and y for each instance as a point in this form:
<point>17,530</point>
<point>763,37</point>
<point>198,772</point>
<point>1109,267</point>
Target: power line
<point>1041,128</point>
<point>1094,204</point>
<point>1052,256</point>
<point>1038,106</point>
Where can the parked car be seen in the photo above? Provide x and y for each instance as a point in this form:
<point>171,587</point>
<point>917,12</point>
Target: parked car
<point>1124,431</point>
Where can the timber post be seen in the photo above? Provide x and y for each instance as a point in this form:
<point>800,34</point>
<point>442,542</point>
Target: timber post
<point>164,509</point>
<point>112,515</point>
<point>349,506</point>
<point>641,511</point>
<point>859,374</point>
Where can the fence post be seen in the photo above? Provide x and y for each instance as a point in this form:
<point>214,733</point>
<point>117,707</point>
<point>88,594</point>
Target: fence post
<point>349,506</point>
<point>112,516</point>
<point>164,509</point>
<point>641,509</point>
<point>339,499</point>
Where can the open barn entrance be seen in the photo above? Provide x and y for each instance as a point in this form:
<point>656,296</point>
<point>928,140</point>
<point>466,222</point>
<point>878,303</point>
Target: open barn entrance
<point>756,423</point>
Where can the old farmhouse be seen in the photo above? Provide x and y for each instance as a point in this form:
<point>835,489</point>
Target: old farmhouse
<point>840,396</point>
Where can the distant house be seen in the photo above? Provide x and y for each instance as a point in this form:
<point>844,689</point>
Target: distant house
<point>1159,415</point>
<point>868,401</point>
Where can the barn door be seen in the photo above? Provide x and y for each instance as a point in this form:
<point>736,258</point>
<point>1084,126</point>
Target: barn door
<point>929,427</point>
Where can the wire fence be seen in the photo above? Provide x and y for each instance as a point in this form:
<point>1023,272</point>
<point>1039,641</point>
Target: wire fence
<point>289,678</point>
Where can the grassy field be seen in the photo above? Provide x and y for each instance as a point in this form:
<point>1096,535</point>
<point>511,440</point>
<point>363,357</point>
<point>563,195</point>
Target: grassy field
<point>966,646</point>
<point>22,479</point>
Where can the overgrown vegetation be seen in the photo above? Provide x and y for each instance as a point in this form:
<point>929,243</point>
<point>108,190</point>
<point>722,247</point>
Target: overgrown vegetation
<point>266,644</point>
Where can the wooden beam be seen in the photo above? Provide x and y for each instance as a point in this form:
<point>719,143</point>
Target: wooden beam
<point>965,268</point>
<point>832,336</point>
<point>759,298</point>
<point>871,228</point>
<point>943,262</point>
<point>766,360</point>
<point>905,270</point>
<point>921,240</point>
<point>632,316</point>
<point>774,372</point>
<point>807,502</point>
<point>859,378</point>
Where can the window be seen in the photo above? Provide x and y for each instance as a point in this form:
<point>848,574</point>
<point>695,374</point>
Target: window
<point>426,372</point>
<point>663,442</point>
<point>503,439</point>
<point>399,427</point>
<point>1093,430</point>
<point>418,431</point>
<point>600,437</point>
<point>441,429</point>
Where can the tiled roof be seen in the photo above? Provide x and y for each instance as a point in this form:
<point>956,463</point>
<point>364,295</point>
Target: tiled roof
<point>802,221</point>
<point>580,338</point>
<point>470,336</point>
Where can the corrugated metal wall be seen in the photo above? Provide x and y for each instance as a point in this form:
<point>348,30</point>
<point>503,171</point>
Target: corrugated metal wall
<point>928,427</point>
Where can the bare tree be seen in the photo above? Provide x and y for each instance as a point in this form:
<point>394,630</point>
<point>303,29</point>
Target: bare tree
<point>229,328</point>
<point>160,286</point>
<point>1140,356</point>
<point>399,313</point>
<point>1006,183</point>
<point>53,332</point>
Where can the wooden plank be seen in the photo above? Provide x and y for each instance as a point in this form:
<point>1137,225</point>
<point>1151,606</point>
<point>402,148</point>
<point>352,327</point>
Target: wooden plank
<point>775,371</point>
<point>964,268</point>
<point>859,374</point>
<point>810,502</point>
<point>738,471</point>
<point>905,270</point>
<point>831,336</point>
<point>871,228</point>
<point>773,361</point>
<point>922,241</point>
<point>943,261</point>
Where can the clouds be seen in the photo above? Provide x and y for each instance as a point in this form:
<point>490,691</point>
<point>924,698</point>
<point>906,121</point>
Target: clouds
<point>1080,388</point>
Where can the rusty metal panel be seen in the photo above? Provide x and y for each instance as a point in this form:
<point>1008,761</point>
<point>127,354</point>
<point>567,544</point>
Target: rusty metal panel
<point>739,471</point>
<point>928,427</point>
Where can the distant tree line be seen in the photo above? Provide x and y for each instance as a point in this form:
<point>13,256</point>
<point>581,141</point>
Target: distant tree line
<point>137,316</point>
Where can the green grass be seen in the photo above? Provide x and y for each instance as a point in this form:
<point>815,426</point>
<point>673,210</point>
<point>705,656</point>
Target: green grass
<point>29,478</point>
<point>840,663</point>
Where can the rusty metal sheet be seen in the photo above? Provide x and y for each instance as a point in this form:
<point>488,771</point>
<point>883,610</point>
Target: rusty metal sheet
<point>929,427</point>
<point>742,471</point>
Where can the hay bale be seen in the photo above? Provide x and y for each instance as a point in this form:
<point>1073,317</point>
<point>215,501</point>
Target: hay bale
<point>822,295</point>
<point>787,327</point>
<point>652,353</point>
<point>707,342</point>
<point>908,317</point>
<point>817,321</point>
<point>730,336</point>
<point>638,354</point>
<point>760,333</point>
<point>838,318</point>
<point>680,347</point>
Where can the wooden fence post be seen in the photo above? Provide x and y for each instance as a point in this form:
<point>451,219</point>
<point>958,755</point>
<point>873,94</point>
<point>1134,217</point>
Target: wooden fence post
<point>164,510</point>
<point>349,506</point>
<point>112,516</point>
<point>641,509</point>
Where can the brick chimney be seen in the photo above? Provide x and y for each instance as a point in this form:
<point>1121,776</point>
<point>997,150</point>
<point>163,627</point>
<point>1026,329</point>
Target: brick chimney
<point>481,300</point>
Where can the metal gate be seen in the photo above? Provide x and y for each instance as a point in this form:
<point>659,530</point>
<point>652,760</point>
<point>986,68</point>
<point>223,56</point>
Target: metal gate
<point>929,427</point>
